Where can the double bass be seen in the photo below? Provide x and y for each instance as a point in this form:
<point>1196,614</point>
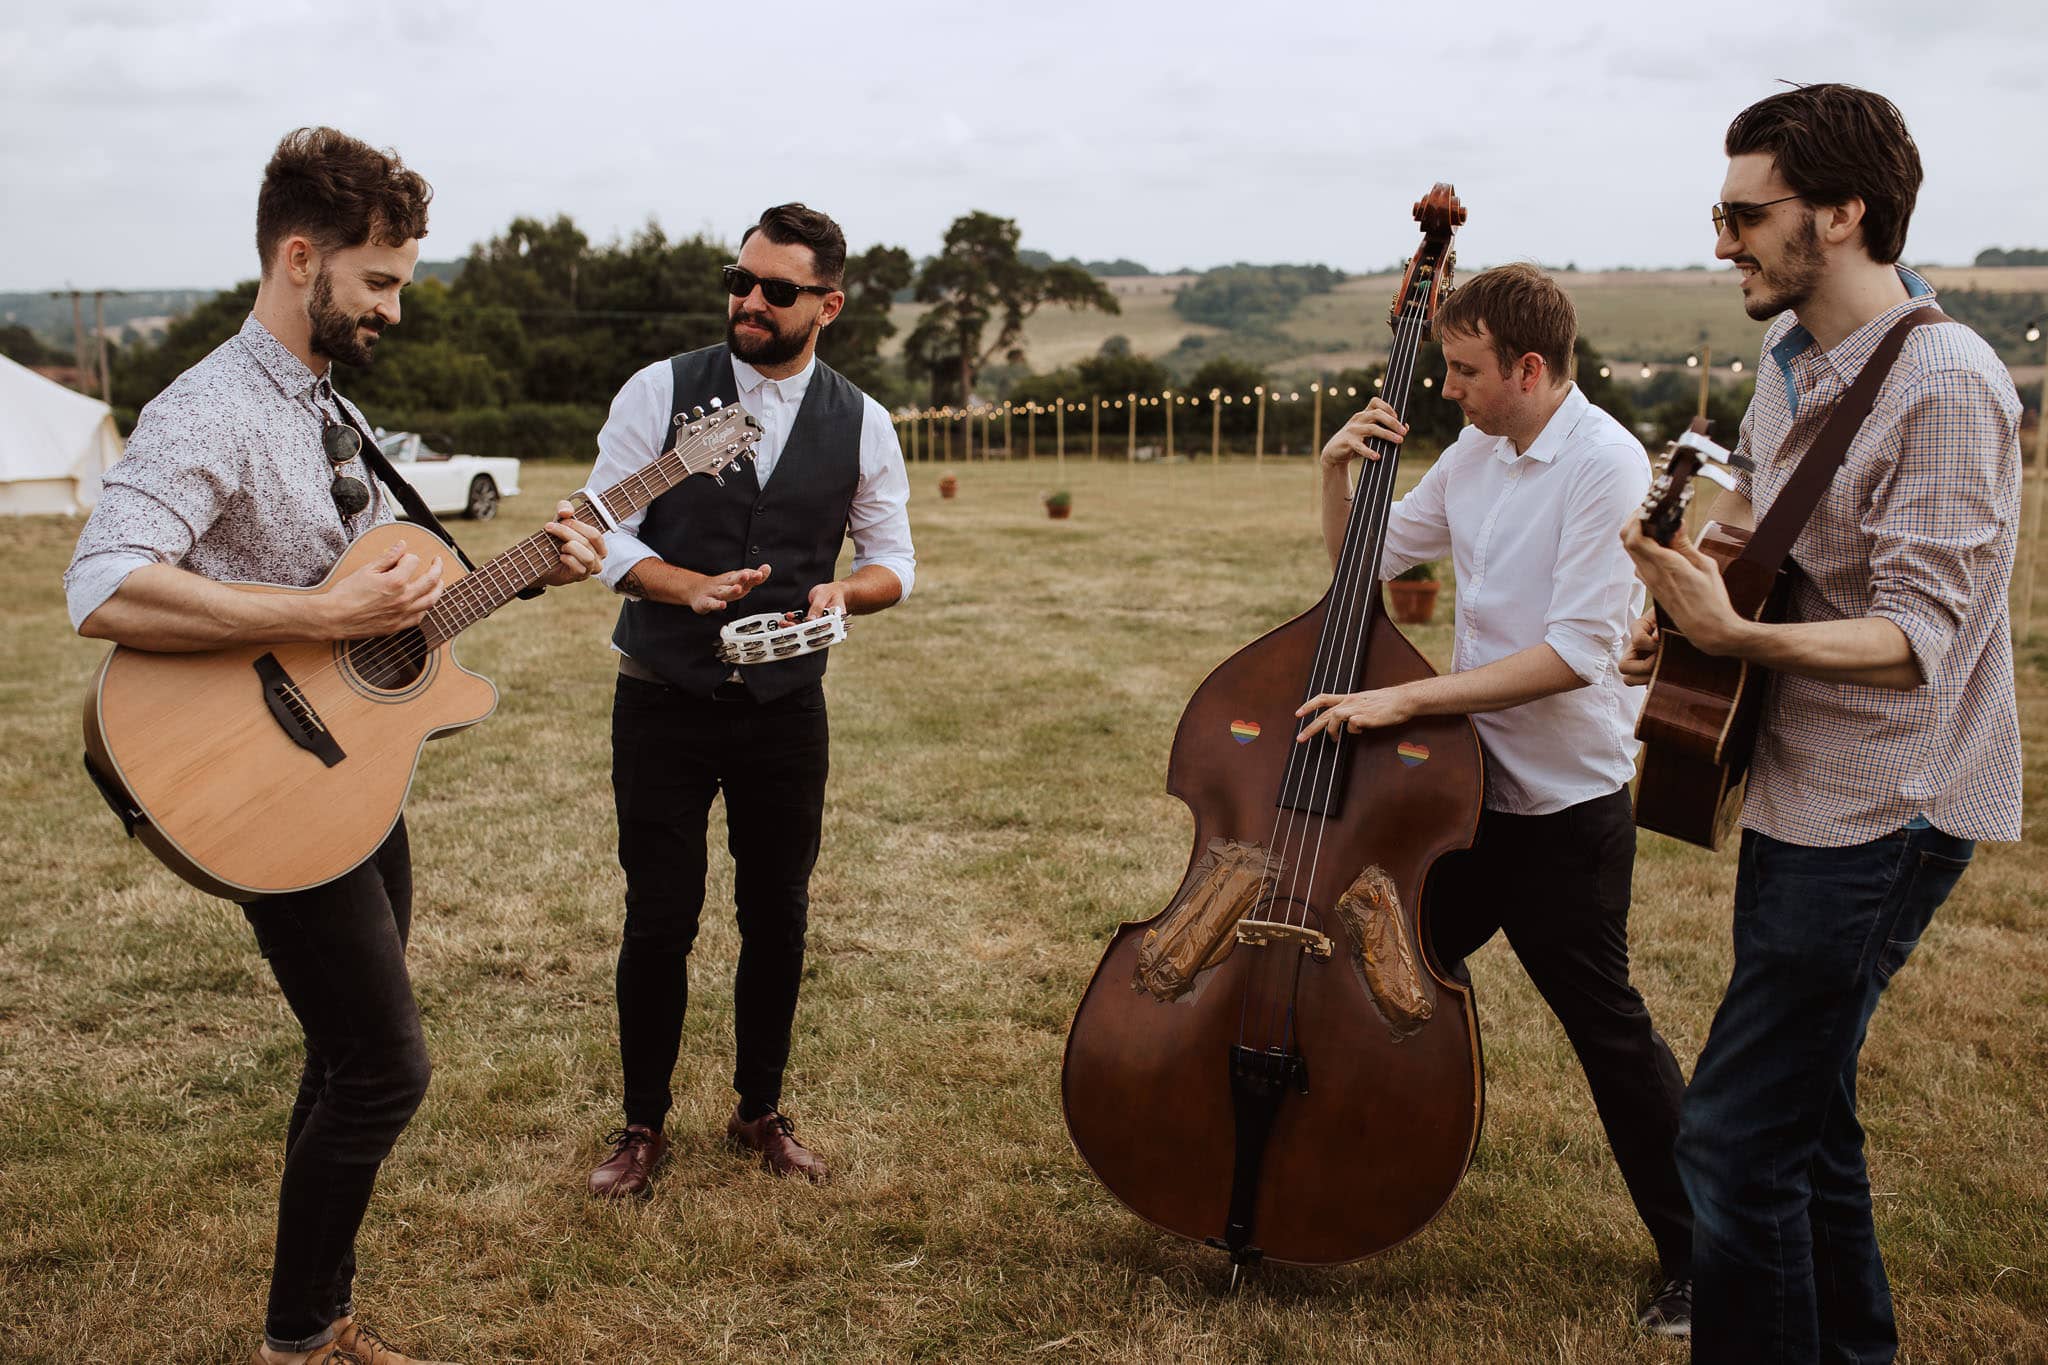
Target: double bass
<point>1273,1064</point>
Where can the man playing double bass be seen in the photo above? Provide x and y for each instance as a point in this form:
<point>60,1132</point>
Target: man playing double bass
<point>1523,502</point>
<point>1890,736</point>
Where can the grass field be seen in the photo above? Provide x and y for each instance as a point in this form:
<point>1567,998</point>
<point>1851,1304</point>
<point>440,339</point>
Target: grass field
<point>996,808</point>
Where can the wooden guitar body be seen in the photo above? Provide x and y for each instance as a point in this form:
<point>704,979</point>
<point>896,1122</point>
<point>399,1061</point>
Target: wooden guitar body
<point>1373,1147</point>
<point>1699,721</point>
<point>263,769</point>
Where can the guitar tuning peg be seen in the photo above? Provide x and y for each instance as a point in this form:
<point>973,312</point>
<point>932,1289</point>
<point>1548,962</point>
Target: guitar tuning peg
<point>696,413</point>
<point>717,403</point>
<point>718,477</point>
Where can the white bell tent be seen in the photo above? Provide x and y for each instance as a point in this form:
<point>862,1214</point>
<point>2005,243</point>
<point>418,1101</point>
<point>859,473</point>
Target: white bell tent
<point>54,444</point>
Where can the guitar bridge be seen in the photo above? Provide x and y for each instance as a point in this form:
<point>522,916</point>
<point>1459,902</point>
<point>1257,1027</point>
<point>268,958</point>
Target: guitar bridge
<point>1265,933</point>
<point>294,714</point>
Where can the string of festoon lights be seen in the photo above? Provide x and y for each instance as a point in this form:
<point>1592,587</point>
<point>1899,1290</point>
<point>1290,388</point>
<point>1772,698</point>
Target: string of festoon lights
<point>928,433</point>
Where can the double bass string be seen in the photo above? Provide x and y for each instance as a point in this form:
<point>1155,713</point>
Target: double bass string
<point>1346,642</point>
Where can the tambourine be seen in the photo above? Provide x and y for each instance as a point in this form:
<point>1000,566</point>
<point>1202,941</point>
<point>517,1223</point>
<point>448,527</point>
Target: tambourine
<point>772,636</point>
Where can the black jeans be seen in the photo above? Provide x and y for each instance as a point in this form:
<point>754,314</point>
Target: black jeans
<point>1558,885</point>
<point>338,952</point>
<point>671,753</point>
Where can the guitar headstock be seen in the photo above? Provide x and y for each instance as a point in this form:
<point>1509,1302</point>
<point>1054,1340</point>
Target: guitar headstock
<point>1428,277</point>
<point>1694,454</point>
<point>713,442</point>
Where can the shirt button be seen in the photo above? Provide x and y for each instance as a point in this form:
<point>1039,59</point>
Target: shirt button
<point>753,549</point>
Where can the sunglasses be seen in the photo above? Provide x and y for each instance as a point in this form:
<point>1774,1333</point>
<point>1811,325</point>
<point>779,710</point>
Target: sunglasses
<point>1745,215</point>
<point>342,444</point>
<point>780,293</point>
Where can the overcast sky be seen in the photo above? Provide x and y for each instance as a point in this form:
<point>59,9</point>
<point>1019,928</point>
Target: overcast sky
<point>133,132</point>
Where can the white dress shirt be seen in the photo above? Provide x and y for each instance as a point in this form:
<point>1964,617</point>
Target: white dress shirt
<point>638,431</point>
<point>1535,538</point>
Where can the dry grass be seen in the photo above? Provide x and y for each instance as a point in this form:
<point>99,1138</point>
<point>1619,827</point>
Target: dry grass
<point>996,808</point>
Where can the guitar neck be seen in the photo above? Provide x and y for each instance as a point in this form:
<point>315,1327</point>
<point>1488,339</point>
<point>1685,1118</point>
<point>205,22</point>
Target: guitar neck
<point>472,598</point>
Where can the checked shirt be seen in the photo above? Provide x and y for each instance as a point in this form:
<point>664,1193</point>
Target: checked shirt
<point>1919,528</point>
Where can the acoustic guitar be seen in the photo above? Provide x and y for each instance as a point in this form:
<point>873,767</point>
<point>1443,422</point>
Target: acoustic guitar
<point>1699,721</point>
<point>261,769</point>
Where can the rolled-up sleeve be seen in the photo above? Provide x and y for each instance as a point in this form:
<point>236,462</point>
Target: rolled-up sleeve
<point>1932,520</point>
<point>627,444</point>
<point>879,519</point>
<point>1595,594</point>
<point>1418,526</point>
<point>155,503</point>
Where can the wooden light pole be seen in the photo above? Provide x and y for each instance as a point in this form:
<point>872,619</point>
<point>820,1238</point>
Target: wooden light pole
<point>1166,401</point>
<point>1095,429</point>
<point>1216,427</point>
<point>1131,445</point>
<point>1259,431</point>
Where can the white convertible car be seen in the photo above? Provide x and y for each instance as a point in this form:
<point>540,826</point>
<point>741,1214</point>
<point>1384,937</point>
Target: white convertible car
<point>469,484</point>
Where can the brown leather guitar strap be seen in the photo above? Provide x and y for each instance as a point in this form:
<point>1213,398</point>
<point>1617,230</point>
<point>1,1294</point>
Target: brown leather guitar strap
<point>1793,507</point>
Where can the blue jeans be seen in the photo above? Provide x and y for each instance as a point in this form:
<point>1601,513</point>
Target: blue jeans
<point>1785,1258</point>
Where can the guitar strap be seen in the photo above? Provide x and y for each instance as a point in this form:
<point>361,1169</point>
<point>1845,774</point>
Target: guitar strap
<point>1772,542</point>
<point>408,497</point>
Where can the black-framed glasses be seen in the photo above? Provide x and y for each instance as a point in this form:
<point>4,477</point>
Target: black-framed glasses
<point>1744,215</point>
<point>740,282</point>
<point>343,443</point>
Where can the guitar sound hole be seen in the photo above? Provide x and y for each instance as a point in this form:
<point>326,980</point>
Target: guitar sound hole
<point>389,663</point>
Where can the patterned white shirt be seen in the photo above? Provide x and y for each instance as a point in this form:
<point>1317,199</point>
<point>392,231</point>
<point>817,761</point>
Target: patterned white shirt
<point>1918,528</point>
<point>1531,535</point>
<point>225,476</point>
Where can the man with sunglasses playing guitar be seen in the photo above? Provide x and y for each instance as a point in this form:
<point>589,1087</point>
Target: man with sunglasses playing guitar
<point>1889,741</point>
<point>686,726</point>
<point>247,469</point>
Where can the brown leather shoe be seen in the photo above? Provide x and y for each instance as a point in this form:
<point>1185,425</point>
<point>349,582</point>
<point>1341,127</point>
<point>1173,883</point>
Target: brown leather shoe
<point>330,1354</point>
<point>365,1344</point>
<point>774,1137</point>
<point>628,1173</point>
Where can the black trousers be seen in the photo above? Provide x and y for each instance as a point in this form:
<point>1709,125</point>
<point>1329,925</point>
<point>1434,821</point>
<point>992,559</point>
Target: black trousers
<point>338,953</point>
<point>1558,886</point>
<point>671,753</point>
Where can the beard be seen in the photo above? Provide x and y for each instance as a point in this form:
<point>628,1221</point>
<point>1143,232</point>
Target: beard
<point>1791,282</point>
<point>335,333</point>
<point>777,348</point>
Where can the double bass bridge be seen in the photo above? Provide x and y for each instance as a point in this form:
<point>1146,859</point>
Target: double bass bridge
<point>1270,933</point>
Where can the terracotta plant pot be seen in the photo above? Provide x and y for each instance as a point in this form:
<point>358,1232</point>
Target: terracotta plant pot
<point>948,486</point>
<point>1059,511</point>
<point>1412,603</point>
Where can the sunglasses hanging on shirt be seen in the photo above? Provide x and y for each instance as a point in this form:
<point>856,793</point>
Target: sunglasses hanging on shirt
<point>342,444</point>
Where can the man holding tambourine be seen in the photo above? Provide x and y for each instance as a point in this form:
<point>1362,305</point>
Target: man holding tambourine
<point>688,723</point>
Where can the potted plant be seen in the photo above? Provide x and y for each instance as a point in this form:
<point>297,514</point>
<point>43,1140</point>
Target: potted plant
<point>948,485</point>
<point>1059,504</point>
<point>1411,595</point>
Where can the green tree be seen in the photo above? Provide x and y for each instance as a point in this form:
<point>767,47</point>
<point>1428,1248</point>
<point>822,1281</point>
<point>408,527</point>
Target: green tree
<point>852,345</point>
<point>24,347</point>
<point>977,281</point>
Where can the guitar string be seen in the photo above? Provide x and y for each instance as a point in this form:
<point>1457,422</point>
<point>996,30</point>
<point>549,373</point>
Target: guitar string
<point>385,649</point>
<point>462,599</point>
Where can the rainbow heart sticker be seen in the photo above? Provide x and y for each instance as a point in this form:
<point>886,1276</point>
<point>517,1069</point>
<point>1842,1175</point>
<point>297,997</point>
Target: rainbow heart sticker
<point>1412,753</point>
<point>1244,731</point>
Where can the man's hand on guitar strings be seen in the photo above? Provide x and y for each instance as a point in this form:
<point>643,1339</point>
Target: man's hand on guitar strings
<point>1687,585</point>
<point>385,596</point>
<point>581,548</point>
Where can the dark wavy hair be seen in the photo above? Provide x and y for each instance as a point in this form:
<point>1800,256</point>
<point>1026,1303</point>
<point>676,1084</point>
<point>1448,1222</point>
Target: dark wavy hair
<point>1834,143</point>
<point>1522,310</point>
<point>337,192</point>
<point>795,225</point>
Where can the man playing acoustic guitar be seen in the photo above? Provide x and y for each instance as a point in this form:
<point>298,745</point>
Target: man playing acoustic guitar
<point>1522,501</point>
<point>1890,735</point>
<point>246,470</point>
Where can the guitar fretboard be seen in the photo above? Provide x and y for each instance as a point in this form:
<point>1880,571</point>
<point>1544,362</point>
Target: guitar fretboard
<point>701,447</point>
